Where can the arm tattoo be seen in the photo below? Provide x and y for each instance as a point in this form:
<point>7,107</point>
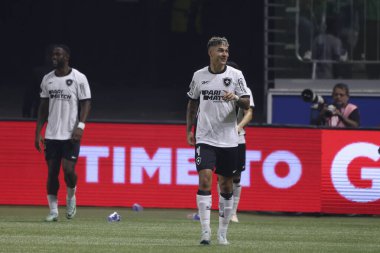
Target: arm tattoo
<point>243,103</point>
<point>192,108</point>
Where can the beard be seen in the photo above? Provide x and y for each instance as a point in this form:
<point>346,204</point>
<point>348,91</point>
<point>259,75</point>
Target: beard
<point>58,64</point>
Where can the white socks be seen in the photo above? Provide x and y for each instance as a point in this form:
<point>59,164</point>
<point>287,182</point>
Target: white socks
<point>204,203</point>
<point>53,203</point>
<point>53,200</point>
<point>225,213</point>
<point>236,192</point>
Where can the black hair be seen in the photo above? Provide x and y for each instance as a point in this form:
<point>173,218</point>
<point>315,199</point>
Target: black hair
<point>64,47</point>
<point>342,86</point>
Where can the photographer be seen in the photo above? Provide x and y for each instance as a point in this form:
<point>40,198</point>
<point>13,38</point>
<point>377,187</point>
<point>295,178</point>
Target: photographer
<point>340,113</point>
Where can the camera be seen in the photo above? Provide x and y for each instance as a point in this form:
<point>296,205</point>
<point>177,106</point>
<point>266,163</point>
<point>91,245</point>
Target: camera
<point>309,96</point>
<point>331,110</point>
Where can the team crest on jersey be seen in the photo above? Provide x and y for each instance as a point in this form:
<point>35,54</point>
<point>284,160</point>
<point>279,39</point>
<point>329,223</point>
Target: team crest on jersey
<point>198,161</point>
<point>69,82</point>
<point>227,81</point>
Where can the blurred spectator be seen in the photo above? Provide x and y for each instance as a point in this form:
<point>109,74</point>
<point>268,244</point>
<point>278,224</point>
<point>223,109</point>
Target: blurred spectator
<point>348,31</point>
<point>372,52</point>
<point>327,46</point>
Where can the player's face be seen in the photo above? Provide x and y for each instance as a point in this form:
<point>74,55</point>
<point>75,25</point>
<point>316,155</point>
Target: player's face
<point>340,96</point>
<point>59,57</point>
<point>219,54</point>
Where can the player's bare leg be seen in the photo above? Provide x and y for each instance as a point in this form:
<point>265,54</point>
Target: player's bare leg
<point>52,187</point>
<point>204,202</point>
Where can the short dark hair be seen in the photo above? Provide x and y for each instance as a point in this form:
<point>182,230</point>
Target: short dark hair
<point>215,41</point>
<point>342,86</point>
<point>64,47</point>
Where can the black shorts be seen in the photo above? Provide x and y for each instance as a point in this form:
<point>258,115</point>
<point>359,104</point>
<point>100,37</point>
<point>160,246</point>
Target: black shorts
<point>241,159</point>
<point>61,149</point>
<point>223,160</point>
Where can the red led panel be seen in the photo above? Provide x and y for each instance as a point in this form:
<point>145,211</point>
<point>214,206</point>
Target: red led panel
<point>287,169</point>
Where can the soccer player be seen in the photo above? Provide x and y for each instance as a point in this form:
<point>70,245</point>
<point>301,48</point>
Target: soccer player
<point>244,117</point>
<point>214,93</point>
<point>63,90</point>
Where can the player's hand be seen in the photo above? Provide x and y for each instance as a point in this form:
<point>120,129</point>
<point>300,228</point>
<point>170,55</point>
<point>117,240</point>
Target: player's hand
<point>190,139</point>
<point>238,129</point>
<point>38,142</point>
<point>230,96</point>
<point>337,113</point>
<point>77,134</point>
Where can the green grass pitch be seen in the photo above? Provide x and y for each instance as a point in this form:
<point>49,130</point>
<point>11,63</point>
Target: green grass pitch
<point>22,229</point>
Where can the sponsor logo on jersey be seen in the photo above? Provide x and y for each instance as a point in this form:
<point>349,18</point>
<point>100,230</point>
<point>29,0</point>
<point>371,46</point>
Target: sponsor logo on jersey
<point>58,94</point>
<point>69,82</point>
<point>204,82</point>
<point>227,81</point>
<point>215,95</point>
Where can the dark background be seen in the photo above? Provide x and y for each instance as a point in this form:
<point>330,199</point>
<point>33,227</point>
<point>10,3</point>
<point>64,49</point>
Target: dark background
<point>139,56</point>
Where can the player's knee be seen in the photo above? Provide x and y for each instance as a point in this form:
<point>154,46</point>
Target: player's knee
<point>225,186</point>
<point>204,182</point>
<point>53,169</point>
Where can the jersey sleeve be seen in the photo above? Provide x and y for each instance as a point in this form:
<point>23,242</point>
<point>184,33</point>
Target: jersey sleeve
<point>241,86</point>
<point>194,91</point>
<point>84,91</point>
<point>251,102</point>
<point>43,88</point>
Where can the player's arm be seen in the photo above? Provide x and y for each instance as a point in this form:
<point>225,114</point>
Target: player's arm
<point>192,108</point>
<point>43,112</point>
<point>243,102</point>
<point>85,106</point>
<point>248,116</point>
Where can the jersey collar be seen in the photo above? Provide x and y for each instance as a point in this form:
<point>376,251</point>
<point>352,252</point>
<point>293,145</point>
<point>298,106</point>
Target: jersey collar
<point>224,70</point>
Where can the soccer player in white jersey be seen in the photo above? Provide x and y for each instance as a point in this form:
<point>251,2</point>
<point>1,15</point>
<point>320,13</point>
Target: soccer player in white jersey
<point>63,91</point>
<point>214,93</point>
<point>243,118</point>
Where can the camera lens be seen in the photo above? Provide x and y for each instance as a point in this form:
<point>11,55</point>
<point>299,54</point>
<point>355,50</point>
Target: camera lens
<point>307,95</point>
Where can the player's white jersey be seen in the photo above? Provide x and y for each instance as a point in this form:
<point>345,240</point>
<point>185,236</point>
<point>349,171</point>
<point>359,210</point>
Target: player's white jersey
<point>64,93</point>
<point>240,116</point>
<point>216,119</point>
